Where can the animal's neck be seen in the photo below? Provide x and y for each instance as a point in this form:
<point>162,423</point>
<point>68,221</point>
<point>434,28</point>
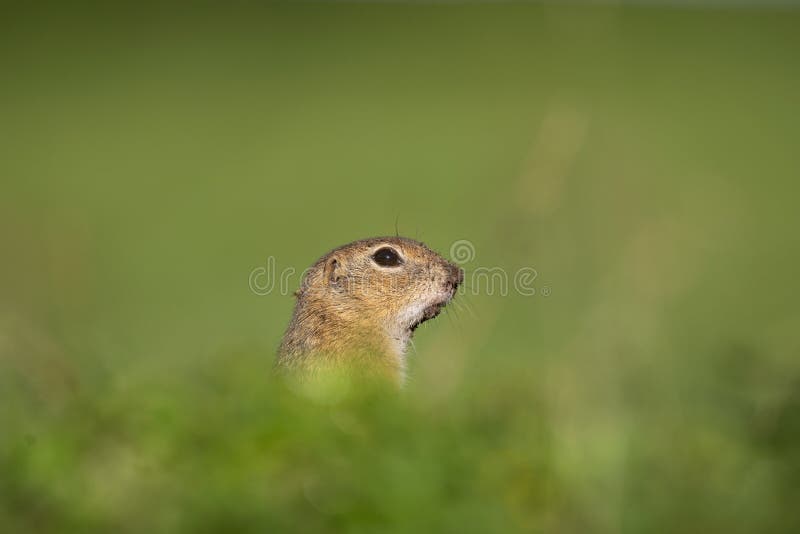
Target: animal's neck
<point>324,337</point>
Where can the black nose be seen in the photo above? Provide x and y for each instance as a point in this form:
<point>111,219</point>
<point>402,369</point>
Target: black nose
<point>456,274</point>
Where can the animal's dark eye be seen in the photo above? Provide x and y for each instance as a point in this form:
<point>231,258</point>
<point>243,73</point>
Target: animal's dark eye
<point>387,257</point>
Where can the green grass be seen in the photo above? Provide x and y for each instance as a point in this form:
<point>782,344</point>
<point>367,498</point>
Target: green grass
<point>643,161</point>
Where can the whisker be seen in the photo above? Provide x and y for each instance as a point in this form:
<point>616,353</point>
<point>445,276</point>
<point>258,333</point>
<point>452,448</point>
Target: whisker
<point>464,304</point>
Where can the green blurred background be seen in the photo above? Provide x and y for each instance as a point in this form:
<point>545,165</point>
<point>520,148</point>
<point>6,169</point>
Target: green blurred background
<point>644,160</point>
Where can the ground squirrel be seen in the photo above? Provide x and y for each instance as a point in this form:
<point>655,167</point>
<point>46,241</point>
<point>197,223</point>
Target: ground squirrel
<point>358,306</point>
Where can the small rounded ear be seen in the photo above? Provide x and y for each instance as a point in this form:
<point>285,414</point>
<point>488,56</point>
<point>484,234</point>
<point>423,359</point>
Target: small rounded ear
<point>333,271</point>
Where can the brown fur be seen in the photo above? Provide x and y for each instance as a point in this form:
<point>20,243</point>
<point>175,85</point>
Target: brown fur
<point>353,314</point>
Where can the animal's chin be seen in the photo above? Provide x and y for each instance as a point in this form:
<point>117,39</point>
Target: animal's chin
<point>428,313</point>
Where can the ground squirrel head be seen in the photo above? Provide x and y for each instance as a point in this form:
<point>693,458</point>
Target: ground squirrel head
<point>366,298</point>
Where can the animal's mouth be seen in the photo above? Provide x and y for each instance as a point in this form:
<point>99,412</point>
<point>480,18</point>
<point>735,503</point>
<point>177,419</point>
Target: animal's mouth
<point>436,308</point>
<point>429,313</point>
